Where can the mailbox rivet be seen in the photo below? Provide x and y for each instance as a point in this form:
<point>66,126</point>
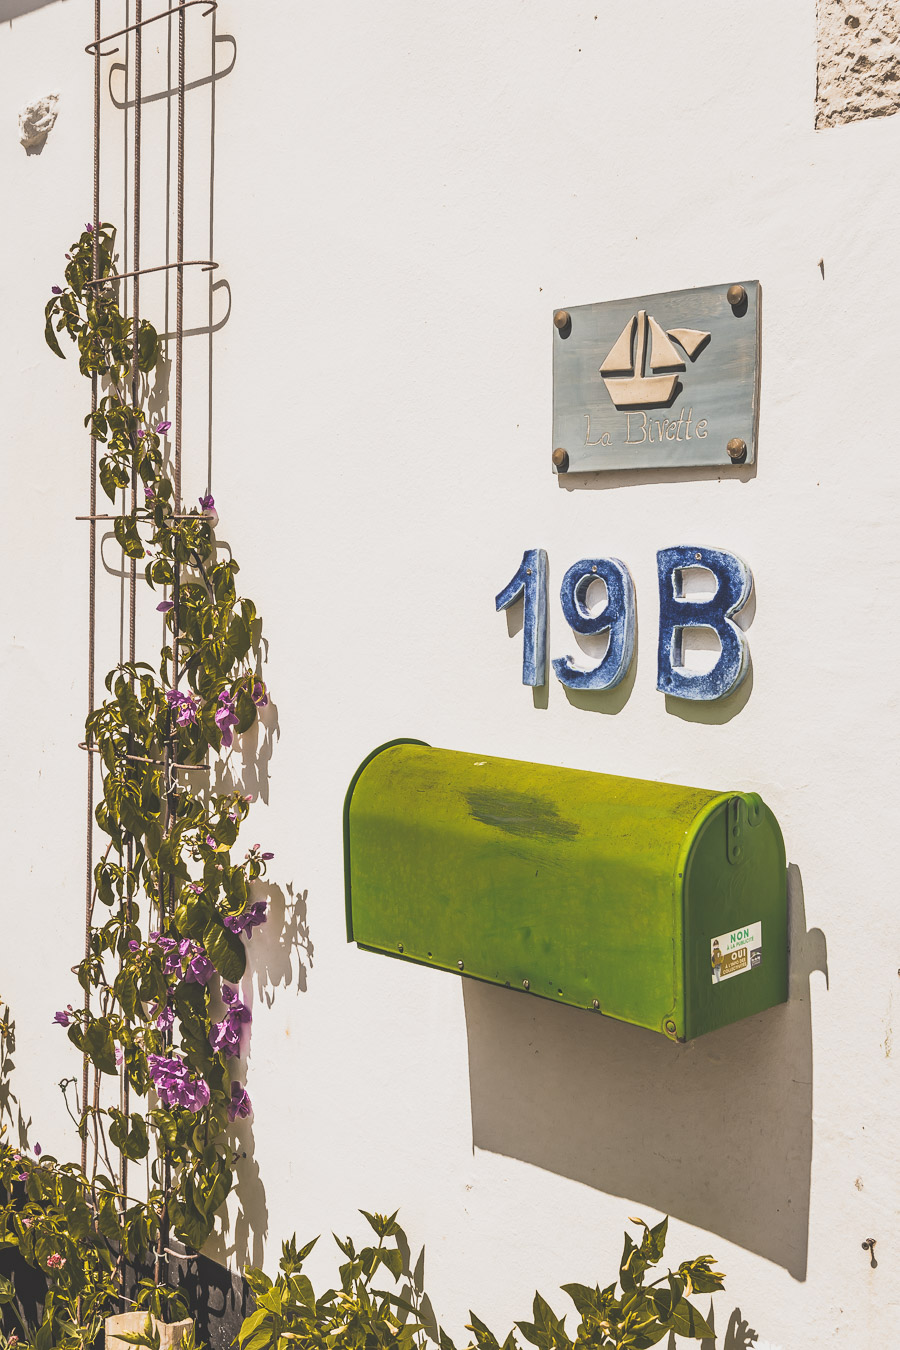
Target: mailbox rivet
<point>560,458</point>
<point>596,1004</point>
<point>737,449</point>
<point>561,319</point>
<point>671,1027</point>
<point>736,295</point>
<point>460,964</point>
<point>526,984</point>
<point>399,946</point>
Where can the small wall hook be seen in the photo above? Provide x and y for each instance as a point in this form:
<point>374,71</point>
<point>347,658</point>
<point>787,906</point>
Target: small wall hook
<point>869,1246</point>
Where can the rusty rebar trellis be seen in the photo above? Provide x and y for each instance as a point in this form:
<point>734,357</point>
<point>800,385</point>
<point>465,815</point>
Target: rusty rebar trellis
<point>98,48</point>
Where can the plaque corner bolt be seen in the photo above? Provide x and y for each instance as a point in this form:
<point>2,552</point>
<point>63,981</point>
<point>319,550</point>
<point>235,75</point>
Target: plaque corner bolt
<point>560,459</point>
<point>736,295</point>
<point>561,319</point>
<point>737,450</point>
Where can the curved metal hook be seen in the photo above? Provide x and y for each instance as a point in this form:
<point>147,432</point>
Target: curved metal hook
<point>93,48</point>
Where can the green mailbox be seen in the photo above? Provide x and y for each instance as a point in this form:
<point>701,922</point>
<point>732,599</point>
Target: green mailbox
<point>659,905</point>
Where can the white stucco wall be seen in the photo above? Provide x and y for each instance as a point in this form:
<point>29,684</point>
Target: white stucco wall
<point>403,194</point>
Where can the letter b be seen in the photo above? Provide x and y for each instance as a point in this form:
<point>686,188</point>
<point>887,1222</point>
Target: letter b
<point>734,582</point>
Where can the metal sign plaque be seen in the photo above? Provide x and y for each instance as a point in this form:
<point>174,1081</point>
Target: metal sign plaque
<point>659,381</point>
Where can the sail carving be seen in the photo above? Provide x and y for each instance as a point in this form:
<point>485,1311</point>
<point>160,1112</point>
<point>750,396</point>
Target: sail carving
<point>642,349</point>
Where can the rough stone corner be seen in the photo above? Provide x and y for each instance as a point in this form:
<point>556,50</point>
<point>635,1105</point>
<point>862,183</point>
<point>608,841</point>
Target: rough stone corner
<point>858,57</point>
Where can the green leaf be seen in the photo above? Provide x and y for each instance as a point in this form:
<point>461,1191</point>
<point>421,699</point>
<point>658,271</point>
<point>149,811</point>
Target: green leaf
<point>111,477</point>
<point>148,346</point>
<point>226,951</point>
<point>589,1302</point>
<point>687,1321</point>
<point>484,1337</point>
<point>99,1045</point>
<point>108,1217</point>
<point>193,916</point>
<point>257,1331</point>
<point>700,1278</point>
<point>49,335</point>
<point>654,1242</point>
<point>125,530</point>
<point>133,1141</point>
<point>7,1290</point>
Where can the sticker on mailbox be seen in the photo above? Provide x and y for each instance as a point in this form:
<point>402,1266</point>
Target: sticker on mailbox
<point>735,953</point>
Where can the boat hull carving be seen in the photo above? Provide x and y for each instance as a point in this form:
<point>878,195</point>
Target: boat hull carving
<point>646,391</point>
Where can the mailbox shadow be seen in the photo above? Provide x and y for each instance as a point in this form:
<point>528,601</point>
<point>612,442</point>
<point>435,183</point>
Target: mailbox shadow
<point>14,9</point>
<point>717,1132</point>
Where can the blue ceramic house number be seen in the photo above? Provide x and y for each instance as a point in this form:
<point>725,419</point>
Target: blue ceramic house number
<point>677,612</point>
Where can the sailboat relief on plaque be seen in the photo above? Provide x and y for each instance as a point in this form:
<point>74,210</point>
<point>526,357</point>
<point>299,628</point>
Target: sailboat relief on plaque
<point>659,381</point>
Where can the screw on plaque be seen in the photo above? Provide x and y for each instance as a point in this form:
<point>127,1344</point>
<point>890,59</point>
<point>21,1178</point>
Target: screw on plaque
<point>736,295</point>
<point>869,1246</point>
<point>560,459</point>
<point>737,450</point>
<point>561,319</point>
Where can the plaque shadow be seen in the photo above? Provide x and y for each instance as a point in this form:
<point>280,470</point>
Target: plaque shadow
<point>717,1132</point>
<point>602,480</point>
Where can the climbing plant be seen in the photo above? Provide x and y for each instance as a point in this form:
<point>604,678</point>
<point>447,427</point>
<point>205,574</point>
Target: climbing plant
<point>173,902</point>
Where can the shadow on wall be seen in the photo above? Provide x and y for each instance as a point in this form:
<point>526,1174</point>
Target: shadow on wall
<point>717,1132</point>
<point>14,9</point>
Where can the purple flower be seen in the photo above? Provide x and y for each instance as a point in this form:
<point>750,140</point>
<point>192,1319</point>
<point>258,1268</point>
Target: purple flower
<point>240,1102</point>
<point>258,694</point>
<point>250,918</point>
<point>208,502</point>
<point>38,1150</point>
<point>149,493</point>
<point>89,227</point>
<point>57,290</point>
<point>226,718</point>
<point>165,1016</point>
<point>61,1019</point>
<point>55,1261</point>
<point>134,946</point>
<point>185,706</point>
<point>140,431</point>
<point>120,1056</point>
<point>162,428</point>
<point>267,857</point>
<point>165,606</point>
<point>226,1035</point>
<point>23,1176</point>
<point>200,969</point>
<point>195,887</point>
<point>176,1084</point>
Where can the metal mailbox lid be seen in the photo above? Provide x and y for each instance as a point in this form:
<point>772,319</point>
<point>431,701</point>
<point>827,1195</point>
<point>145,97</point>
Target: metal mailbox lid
<point>558,881</point>
<point>735,886</point>
<point>658,381</point>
